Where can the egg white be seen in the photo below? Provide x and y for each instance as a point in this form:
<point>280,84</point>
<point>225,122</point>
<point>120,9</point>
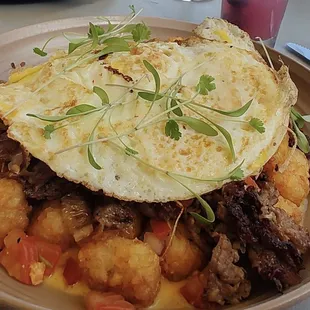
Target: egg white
<point>224,53</point>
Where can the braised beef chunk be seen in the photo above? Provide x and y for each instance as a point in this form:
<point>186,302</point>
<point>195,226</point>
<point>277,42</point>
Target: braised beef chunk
<point>13,158</point>
<point>162,211</point>
<point>222,281</point>
<point>224,276</point>
<point>250,214</point>
<point>119,216</point>
<point>40,182</point>
<point>271,268</point>
<point>288,230</point>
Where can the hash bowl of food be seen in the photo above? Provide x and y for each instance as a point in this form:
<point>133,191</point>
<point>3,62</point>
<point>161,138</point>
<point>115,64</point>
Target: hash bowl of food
<point>163,171</point>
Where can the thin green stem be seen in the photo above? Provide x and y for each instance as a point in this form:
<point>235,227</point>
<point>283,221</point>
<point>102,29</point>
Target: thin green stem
<point>171,109</point>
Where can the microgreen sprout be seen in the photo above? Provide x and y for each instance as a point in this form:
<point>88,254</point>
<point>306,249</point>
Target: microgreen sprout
<point>104,40</point>
<point>298,122</point>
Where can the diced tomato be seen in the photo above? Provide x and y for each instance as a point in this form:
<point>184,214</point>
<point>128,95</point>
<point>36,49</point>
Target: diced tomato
<point>14,237</point>
<point>17,258</point>
<point>250,182</point>
<point>72,272</point>
<point>21,252</point>
<point>161,229</point>
<point>107,301</point>
<point>192,291</point>
<point>48,253</point>
<point>186,203</point>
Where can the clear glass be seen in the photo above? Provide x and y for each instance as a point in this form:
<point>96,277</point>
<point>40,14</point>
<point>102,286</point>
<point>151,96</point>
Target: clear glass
<point>259,18</point>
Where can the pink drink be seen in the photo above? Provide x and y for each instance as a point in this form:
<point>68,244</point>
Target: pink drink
<point>259,18</point>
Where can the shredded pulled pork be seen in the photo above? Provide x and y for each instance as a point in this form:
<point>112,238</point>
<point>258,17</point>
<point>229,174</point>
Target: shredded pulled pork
<point>222,281</point>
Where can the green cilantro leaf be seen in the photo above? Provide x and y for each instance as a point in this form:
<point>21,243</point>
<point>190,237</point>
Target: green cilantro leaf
<point>141,32</point>
<point>39,52</point>
<point>257,124</point>
<point>172,130</point>
<point>205,84</point>
<point>48,129</point>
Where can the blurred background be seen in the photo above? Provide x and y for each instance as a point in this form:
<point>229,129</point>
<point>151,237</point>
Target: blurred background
<point>19,13</point>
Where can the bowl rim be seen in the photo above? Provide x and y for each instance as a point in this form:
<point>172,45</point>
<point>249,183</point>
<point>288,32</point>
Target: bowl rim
<point>285,300</point>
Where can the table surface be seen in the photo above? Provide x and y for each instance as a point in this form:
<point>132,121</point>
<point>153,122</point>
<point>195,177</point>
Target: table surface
<point>295,26</point>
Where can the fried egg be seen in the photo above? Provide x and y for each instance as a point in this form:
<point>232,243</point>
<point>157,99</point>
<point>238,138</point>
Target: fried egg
<point>218,49</point>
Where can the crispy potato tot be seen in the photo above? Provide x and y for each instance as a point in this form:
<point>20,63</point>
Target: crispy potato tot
<point>182,257</point>
<point>13,207</point>
<point>291,209</point>
<point>282,153</point>
<point>293,183</point>
<point>48,223</point>
<point>124,266</point>
<point>62,221</point>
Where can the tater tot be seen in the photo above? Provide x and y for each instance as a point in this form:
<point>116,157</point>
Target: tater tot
<point>13,207</point>
<point>182,257</point>
<point>291,209</point>
<point>292,183</point>
<point>282,153</point>
<point>49,224</point>
<point>62,222</point>
<point>127,267</point>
